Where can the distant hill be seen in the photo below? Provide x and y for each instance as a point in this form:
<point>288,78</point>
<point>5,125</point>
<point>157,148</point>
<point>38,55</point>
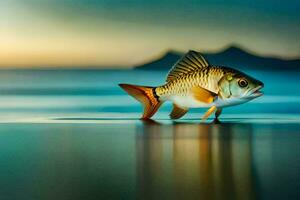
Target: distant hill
<point>232,57</point>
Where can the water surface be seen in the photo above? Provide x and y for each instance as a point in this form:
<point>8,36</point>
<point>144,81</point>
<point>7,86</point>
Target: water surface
<point>73,134</point>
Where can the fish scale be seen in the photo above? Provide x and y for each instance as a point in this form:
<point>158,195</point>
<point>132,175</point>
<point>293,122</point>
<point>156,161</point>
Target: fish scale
<point>206,78</point>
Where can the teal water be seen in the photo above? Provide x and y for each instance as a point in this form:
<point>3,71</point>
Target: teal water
<point>43,95</point>
<point>73,134</point>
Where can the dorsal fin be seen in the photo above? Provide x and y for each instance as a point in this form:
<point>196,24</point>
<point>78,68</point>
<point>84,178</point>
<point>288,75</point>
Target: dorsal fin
<point>189,62</point>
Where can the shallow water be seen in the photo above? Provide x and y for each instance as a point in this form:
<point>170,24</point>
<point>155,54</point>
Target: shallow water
<point>149,161</point>
<point>73,134</point>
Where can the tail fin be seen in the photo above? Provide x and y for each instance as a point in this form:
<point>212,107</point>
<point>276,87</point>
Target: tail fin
<point>146,96</point>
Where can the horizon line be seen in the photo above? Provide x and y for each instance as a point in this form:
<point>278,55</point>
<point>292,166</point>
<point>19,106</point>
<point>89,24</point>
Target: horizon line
<point>153,59</point>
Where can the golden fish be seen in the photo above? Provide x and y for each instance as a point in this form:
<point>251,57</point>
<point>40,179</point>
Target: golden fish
<point>194,83</point>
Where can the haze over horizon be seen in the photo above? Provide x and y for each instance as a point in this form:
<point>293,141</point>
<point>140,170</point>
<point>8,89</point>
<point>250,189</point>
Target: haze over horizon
<point>126,33</point>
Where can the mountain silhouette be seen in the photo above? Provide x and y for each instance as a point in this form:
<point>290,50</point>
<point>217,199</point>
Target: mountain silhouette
<point>233,56</point>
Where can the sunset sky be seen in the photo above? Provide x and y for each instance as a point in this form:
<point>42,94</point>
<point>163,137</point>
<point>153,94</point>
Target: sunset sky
<point>44,33</point>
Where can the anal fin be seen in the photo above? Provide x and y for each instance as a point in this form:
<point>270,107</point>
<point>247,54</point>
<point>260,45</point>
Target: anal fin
<point>178,112</point>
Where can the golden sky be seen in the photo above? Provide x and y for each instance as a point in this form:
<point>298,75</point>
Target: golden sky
<point>125,33</point>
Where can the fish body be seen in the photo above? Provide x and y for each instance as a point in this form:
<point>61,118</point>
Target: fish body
<point>194,83</point>
<point>180,90</point>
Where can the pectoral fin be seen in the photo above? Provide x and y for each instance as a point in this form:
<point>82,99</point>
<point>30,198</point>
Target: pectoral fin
<point>209,112</point>
<point>203,95</point>
<point>178,112</point>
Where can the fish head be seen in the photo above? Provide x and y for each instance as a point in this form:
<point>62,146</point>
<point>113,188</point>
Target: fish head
<point>236,87</point>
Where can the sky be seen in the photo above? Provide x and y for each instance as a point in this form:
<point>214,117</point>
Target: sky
<point>122,33</point>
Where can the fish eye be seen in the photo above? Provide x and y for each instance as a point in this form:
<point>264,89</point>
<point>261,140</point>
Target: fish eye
<point>242,83</point>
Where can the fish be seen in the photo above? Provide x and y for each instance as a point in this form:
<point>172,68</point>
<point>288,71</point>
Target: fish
<point>194,83</point>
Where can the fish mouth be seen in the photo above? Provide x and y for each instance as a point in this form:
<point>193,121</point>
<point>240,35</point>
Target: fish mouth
<point>254,93</point>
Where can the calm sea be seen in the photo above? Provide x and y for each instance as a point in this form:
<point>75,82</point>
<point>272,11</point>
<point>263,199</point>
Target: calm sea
<point>50,95</point>
<point>74,134</point>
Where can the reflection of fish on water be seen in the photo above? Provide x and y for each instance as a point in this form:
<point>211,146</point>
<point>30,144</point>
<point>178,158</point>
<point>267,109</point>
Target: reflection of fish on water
<point>194,83</point>
<point>192,161</point>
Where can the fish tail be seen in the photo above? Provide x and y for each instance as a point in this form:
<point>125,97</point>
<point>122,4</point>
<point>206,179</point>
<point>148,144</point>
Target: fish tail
<point>146,95</point>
